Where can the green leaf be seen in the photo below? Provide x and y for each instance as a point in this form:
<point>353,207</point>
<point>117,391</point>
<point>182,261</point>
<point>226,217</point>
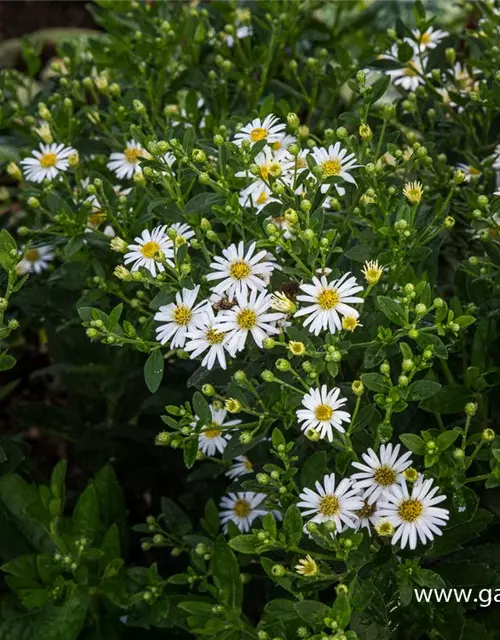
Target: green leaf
<point>85,519</point>
<point>226,574</point>
<point>293,526</point>
<point>153,370</point>
<point>454,537</point>
<point>421,389</point>
<point>313,612</point>
<point>449,399</point>
<point>313,469</point>
<point>175,518</point>
<point>446,439</point>
<point>376,382</point>
<point>202,408</point>
<point>341,610</point>
<point>245,544</point>
<point>269,525</point>
<point>413,443</point>
<point>57,483</point>
<point>190,452</point>
<point>6,362</point>
<point>374,354</point>
<point>393,310</point>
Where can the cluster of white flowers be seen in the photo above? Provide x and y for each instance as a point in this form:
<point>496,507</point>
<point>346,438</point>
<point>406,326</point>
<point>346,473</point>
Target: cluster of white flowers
<point>378,495</point>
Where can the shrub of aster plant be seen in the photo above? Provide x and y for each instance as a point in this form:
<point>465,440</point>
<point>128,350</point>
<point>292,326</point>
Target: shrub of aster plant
<point>275,226</point>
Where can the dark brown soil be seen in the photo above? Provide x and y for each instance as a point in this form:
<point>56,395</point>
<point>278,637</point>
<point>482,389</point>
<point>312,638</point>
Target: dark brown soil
<point>20,17</point>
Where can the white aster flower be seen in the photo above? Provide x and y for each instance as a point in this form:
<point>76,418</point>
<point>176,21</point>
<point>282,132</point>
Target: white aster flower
<point>470,172</point>
<point>127,162</point>
<point>335,162</point>
<point>205,338</point>
<point>410,76</point>
<point>35,260</point>
<point>257,195</point>
<point>179,318</point>
<point>47,163</point>
<point>293,166</point>
<point>464,81</point>
<point>414,514</point>
<point>183,231</point>
<point>323,412</point>
<point>269,129</point>
<point>169,159</point>
<point>327,302</point>
<point>249,316</point>
<point>328,503</point>
<point>242,509</point>
<point>149,244</point>
<point>430,38</point>
<point>380,473</point>
<point>214,436</point>
<point>240,272</point>
<point>243,31</point>
<point>241,467</point>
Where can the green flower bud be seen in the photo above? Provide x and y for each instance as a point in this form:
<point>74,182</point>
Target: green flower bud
<point>313,435</point>
<point>357,388</point>
<point>240,376</point>
<point>283,365</point>
<point>33,202</point>
<point>246,437</point>
<point>278,570</point>
<point>413,333</point>
<point>470,409</point>
<point>208,390</point>
<point>458,455</point>
<point>268,343</point>
<point>421,309</point>
<point>268,376</point>
<point>293,121</point>
<point>487,435</point>
<point>341,133</point>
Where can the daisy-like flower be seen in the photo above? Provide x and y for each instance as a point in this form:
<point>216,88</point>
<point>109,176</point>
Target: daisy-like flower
<point>366,516</point>
<point>327,302</point>
<point>270,129</point>
<point>413,192</point>
<point>149,244</point>
<point>384,527</point>
<point>204,337</point>
<point>414,514</point>
<point>243,31</point>
<point>372,271</point>
<point>410,76</point>
<point>242,509</point>
<point>464,81</point>
<point>179,318</point>
<point>380,474</point>
<point>335,162</point>
<point>280,146</point>
<point>430,38</point>
<point>257,195</point>
<point>214,436</point>
<point>241,467</point>
<point>240,272</point>
<point>307,567</point>
<point>471,172</point>
<point>35,260</point>
<point>323,412</point>
<point>281,302</point>
<point>268,163</point>
<point>328,503</point>
<point>127,162</point>
<point>249,316</point>
<point>350,323</point>
<point>183,232</point>
<point>47,163</point>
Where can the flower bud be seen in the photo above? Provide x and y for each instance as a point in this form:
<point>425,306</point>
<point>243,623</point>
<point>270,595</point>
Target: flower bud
<point>487,435</point>
<point>240,376</point>
<point>470,409</point>
<point>303,132</point>
<point>458,176</point>
<point>199,155</point>
<point>365,132</point>
<point>293,121</point>
<point>451,55</point>
<point>268,343</point>
<point>246,437</point>
<point>357,388</point>
<point>420,309</point>
<point>208,390</point>
<point>297,348</point>
<point>233,405</point>
<point>449,222</point>
<point>268,376</point>
<point>283,365</point>
<point>14,171</point>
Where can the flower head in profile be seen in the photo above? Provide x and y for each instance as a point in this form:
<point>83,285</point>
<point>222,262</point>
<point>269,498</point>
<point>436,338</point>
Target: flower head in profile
<point>331,503</point>
<point>203,338</point>
<point>181,232</point>
<point>471,173</point>
<point>430,38</point>
<point>379,474</point>
<point>307,567</point>
<point>241,467</point>
<point>179,318</point>
<point>327,302</point>
<point>149,246</point>
<point>413,192</point>
<point>414,515</point>
<point>269,129</point>
<point>257,195</point>
<point>47,163</point>
<point>372,271</point>
<point>35,260</point>
<point>240,270</point>
<point>323,412</point>
<point>214,436</point>
<point>242,509</point>
<point>250,316</point>
<point>127,162</point>
<point>335,162</point>
<point>410,77</point>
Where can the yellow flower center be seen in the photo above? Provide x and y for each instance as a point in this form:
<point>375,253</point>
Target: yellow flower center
<point>242,508</point>
<point>329,506</point>
<point>301,163</point>
<point>95,219</point>
<point>48,160</point>
<point>349,323</point>
<point>385,528</point>
<point>410,510</point>
<point>32,255</point>
<point>258,134</point>
<point>366,511</point>
<point>182,315</point>
<point>248,465</point>
<point>212,433</point>
<point>214,337</point>
<point>132,155</point>
<point>240,269</point>
<point>150,249</point>
<point>276,146</point>
<point>307,567</point>
<point>332,168</point>
<point>323,412</point>
<point>328,299</point>
<point>263,198</point>
<point>425,38</point>
<point>264,171</point>
<point>246,319</point>
<point>411,70</point>
<point>474,172</point>
<point>385,476</point>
